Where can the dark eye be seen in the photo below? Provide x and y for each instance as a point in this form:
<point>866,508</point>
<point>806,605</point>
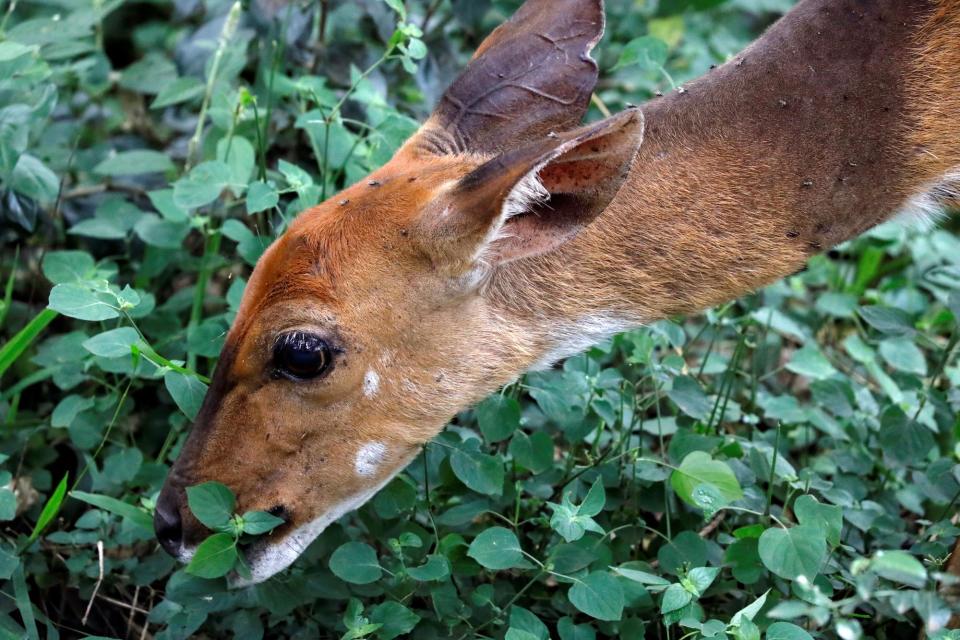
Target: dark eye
<point>301,356</point>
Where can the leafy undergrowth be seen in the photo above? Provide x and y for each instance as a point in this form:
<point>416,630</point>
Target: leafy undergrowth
<point>783,467</point>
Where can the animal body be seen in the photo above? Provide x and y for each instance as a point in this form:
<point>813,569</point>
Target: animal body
<point>504,236</point>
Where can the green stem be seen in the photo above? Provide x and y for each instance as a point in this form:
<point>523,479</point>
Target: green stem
<point>226,35</point>
<point>773,469</point>
<point>199,294</point>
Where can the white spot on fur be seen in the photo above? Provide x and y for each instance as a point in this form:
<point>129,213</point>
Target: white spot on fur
<point>268,557</point>
<point>572,338</point>
<point>371,382</point>
<point>369,458</point>
<point>925,210</point>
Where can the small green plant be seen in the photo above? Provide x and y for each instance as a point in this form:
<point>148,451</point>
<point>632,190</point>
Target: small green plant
<point>212,503</point>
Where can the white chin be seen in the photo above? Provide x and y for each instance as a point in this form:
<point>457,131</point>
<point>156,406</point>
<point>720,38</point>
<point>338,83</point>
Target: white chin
<point>268,557</point>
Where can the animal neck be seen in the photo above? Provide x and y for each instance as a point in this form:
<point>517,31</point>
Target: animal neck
<point>812,135</point>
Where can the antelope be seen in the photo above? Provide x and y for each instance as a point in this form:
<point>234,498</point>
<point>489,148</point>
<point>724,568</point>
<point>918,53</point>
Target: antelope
<point>504,236</point>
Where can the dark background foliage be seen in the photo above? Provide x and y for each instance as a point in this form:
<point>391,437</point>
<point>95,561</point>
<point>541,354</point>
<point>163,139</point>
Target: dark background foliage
<point>790,456</point>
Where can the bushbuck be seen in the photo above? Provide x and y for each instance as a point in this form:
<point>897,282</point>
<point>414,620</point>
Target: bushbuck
<point>504,236</point>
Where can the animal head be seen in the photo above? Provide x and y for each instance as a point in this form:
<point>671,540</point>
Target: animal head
<point>365,327</point>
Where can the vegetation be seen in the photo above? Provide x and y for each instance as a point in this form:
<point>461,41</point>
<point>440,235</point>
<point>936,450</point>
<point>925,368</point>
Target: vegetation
<point>783,467</point>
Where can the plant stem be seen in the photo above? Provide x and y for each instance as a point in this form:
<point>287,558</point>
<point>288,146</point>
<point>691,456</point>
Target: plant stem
<point>226,35</point>
<point>199,294</point>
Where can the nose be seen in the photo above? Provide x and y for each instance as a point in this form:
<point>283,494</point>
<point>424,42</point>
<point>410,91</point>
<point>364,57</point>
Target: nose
<point>167,523</point>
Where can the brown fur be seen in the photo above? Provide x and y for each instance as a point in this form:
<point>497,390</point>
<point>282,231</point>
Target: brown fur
<point>823,128</point>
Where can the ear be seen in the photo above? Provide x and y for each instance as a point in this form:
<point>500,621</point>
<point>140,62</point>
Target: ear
<point>531,76</point>
<point>533,199</point>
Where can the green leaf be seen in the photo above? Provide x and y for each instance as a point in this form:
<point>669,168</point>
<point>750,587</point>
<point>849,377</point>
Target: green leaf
<point>689,396</point>
<point>642,577</point>
<point>62,267</point>
<point>697,468</point>
<point>599,595</point>
<point>435,568</point>
<point>648,51</point>
<point>496,548</point>
<point>51,508</point>
<point>480,472</point>
<point>258,522</point>
<point>827,517</point>
<point>212,503</point>
<point>160,232</point>
<point>202,185</point>
<point>126,510</point>
<point>533,452</point>
<point>12,50</point>
<point>786,631</point>
<point>261,196</point>
<point>186,391</point>
<point>68,408</point>
<point>528,624</point>
<point>77,301</point>
<point>498,417</point>
<point>810,362</point>
<point>356,562</point>
<point>397,620</point>
<point>750,611</point>
<point>113,343</point>
<point>903,354</point>
<point>888,320</point>
<point>791,553</point>
<point>675,597</point>
<point>180,90</point>
<point>899,566</point>
<point>214,557</point>
<point>127,163</point>
<point>8,504</point>
<point>699,579</point>
<point>112,220</point>
<point>34,179</point>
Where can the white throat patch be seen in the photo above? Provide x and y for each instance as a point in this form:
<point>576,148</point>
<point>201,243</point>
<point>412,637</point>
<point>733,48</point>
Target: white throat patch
<point>369,458</point>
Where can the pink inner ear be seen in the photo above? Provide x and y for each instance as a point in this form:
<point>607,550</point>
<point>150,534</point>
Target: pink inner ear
<point>529,235</point>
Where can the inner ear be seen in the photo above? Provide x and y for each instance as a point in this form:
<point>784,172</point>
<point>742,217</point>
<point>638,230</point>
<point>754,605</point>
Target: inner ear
<point>556,200</point>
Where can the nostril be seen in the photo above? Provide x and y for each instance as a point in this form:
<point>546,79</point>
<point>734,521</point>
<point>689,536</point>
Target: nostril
<point>168,525</point>
<point>280,511</point>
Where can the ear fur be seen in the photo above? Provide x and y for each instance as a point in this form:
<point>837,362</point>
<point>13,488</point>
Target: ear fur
<point>533,199</point>
<point>532,75</point>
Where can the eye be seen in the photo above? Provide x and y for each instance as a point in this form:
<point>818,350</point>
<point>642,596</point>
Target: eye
<point>301,356</point>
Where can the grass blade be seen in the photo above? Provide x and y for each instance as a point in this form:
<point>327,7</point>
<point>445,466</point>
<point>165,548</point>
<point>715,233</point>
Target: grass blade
<point>18,344</point>
<point>50,509</point>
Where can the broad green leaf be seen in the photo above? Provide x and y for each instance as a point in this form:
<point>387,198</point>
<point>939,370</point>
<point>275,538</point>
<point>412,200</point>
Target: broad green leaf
<point>180,90</point>
<point>480,472</point>
<point>598,594</point>
<point>786,631</point>
<point>68,408</point>
<point>697,468</point>
<point>186,390</point>
<point>533,452</point>
<point>258,522</point>
<point>397,620</point>
<point>160,232</point>
<point>498,417</point>
<point>435,568</point>
<point>690,397</point>
<point>239,155</point>
<point>135,162</point>
<point>899,566</point>
<point>113,343</point>
<point>791,553</point>
<point>642,577</point>
<point>356,562</point>
<point>77,301</point>
<point>261,196</point>
<point>34,179</point>
<point>117,507</point>
<point>8,504</point>
<point>62,267</point>
<point>810,362</point>
<point>202,185</point>
<point>496,548</point>
<point>526,622</point>
<point>594,500</point>
<point>212,503</point>
<point>827,517</point>
<point>214,557</point>
<point>675,597</point>
<point>888,320</point>
<point>903,354</point>
<point>750,611</point>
